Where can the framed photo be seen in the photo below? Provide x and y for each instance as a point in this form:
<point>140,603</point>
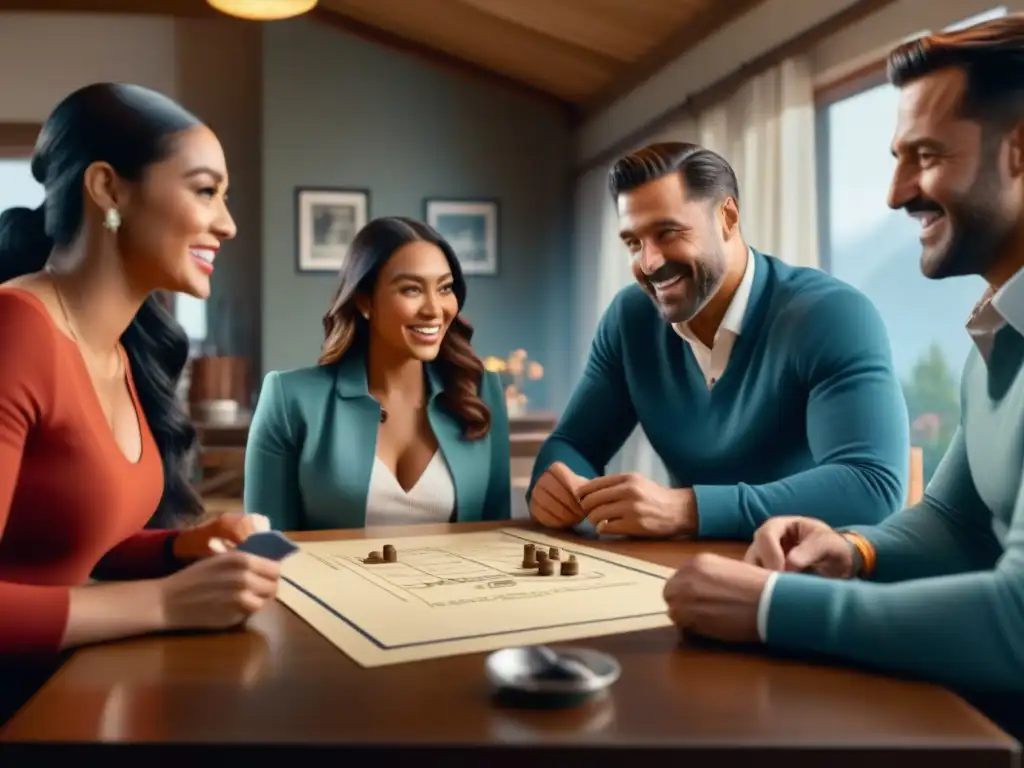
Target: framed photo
<point>471,227</point>
<point>327,221</point>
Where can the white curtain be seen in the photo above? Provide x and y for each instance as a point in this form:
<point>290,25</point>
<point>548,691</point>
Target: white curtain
<point>766,131</point>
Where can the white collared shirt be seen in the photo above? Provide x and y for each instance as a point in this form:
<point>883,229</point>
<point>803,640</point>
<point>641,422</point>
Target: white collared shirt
<point>712,361</point>
<point>996,310</point>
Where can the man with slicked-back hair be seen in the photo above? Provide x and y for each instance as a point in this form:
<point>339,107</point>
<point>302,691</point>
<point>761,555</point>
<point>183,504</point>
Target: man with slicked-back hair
<point>936,591</point>
<point>766,389</point>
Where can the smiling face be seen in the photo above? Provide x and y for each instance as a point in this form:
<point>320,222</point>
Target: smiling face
<point>676,243</point>
<point>413,302</point>
<point>951,175</point>
<point>175,219</point>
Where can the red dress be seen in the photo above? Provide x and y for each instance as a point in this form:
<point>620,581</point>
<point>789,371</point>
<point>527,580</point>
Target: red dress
<point>72,506</point>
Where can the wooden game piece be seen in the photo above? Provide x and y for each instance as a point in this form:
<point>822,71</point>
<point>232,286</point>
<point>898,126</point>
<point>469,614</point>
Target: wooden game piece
<point>546,567</point>
<point>553,553</point>
<point>529,556</point>
<point>390,555</point>
<point>374,557</point>
<point>541,556</point>
<point>571,567</point>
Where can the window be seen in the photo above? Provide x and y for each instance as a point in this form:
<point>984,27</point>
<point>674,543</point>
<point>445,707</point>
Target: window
<point>876,250</point>
<point>191,313</point>
<point>19,189</point>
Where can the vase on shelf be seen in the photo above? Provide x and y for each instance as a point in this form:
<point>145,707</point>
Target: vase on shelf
<point>515,370</point>
<point>219,388</point>
<point>515,402</point>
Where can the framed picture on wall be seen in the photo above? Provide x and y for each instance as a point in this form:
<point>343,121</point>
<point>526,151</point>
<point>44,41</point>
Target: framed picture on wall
<point>326,222</point>
<point>471,227</point>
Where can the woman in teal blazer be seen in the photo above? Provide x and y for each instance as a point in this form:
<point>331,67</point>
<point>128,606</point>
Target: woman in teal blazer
<point>399,423</point>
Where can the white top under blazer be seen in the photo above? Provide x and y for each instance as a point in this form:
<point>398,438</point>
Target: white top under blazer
<point>430,500</point>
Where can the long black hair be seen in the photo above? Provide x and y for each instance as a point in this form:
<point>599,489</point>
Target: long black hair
<point>130,128</point>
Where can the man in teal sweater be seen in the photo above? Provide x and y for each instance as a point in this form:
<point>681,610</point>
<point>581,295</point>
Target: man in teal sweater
<point>765,389</point>
<point>937,590</point>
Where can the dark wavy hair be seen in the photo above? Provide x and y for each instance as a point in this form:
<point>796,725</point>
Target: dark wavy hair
<point>345,328</point>
<point>991,55</point>
<point>130,128</point>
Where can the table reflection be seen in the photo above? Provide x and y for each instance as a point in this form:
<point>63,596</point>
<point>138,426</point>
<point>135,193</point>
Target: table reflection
<point>139,703</point>
<point>592,719</point>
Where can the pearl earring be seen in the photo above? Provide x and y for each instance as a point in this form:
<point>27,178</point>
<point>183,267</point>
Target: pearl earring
<point>112,220</point>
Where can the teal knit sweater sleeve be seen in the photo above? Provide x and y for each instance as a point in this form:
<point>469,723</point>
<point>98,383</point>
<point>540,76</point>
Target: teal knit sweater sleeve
<point>947,602</point>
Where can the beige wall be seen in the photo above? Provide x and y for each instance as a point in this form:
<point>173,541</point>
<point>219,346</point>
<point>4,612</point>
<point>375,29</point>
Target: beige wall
<point>45,56</point>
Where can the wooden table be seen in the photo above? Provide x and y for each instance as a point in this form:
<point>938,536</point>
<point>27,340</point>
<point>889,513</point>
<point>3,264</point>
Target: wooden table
<point>280,685</point>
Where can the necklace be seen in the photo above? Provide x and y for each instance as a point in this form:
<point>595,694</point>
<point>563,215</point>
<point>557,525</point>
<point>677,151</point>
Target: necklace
<point>384,412</point>
<point>67,317</point>
<point>63,307</point>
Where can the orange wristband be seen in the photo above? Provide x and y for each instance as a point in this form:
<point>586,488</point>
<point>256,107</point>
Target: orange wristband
<point>867,552</point>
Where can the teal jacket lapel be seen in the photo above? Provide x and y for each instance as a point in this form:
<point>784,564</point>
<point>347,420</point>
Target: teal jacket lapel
<point>354,424</point>
<point>355,435</point>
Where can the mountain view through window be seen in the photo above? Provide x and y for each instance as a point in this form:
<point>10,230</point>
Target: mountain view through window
<point>878,251</point>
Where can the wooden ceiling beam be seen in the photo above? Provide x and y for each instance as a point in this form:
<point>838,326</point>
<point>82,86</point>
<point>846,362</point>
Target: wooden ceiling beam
<point>710,19</point>
<point>458,65</point>
<point>475,13</point>
<point>516,20</point>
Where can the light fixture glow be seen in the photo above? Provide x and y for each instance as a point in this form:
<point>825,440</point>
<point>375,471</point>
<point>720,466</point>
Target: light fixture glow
<point>263,10</point>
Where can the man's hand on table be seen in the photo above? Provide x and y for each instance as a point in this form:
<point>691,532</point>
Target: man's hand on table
<point>717,597</point>
<point>554,502</point>
<point>802,544</point>
<point>632,505</point>
<point>622,504</point>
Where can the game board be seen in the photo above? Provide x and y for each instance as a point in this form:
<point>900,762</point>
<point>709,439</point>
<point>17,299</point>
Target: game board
<point>452,594</point>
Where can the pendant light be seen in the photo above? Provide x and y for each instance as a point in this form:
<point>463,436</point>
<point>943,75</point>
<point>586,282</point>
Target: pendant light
<point>263,10</point>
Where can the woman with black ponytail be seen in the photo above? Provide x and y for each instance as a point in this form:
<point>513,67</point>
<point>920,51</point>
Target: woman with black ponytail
<point>94,448</point>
